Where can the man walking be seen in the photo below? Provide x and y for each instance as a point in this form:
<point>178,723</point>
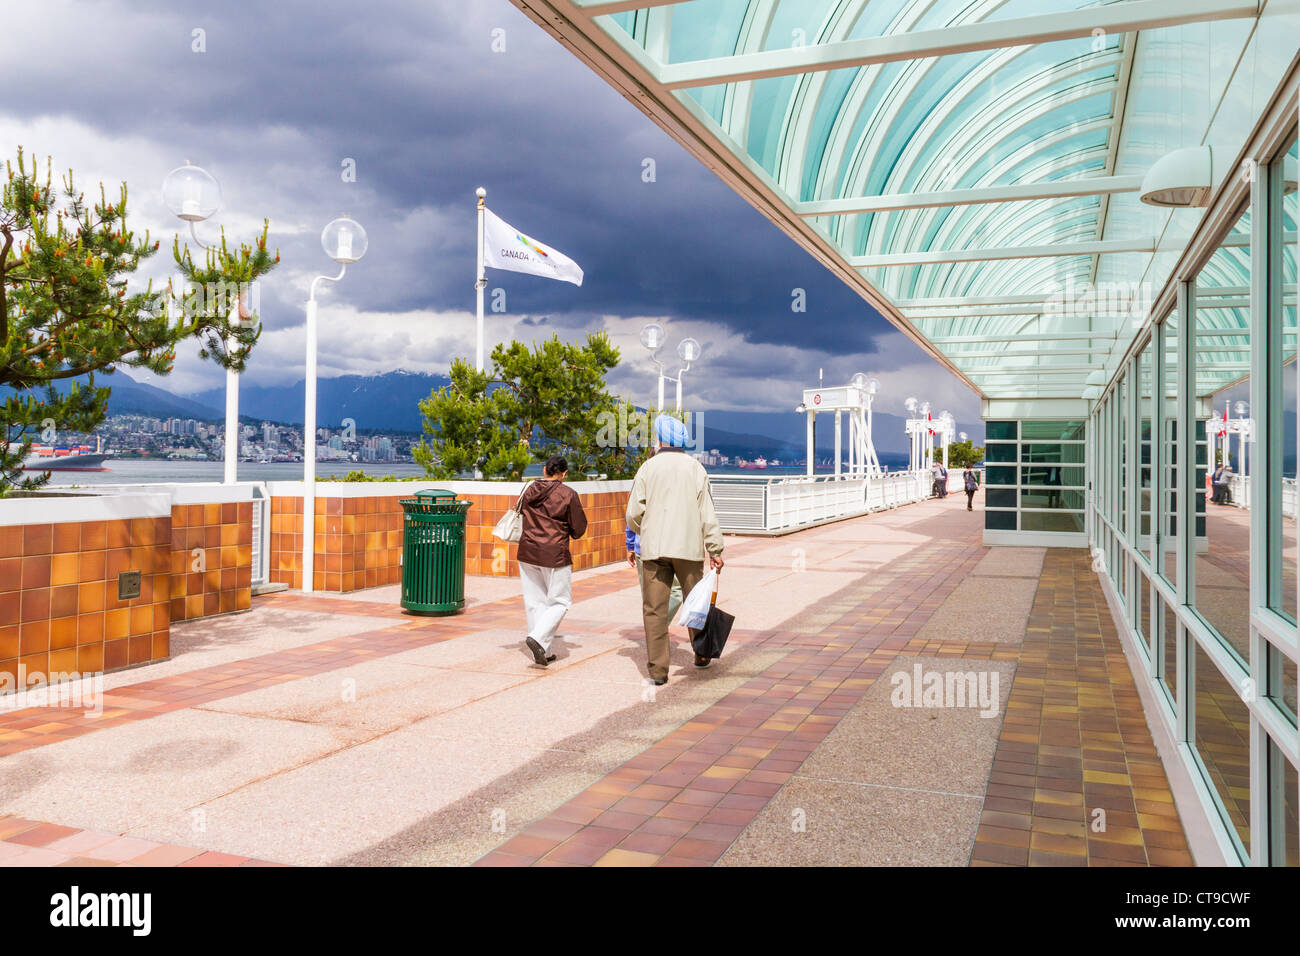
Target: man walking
<point>671,509</point>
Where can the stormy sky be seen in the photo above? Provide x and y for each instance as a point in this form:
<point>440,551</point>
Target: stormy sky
<point>274,98</point>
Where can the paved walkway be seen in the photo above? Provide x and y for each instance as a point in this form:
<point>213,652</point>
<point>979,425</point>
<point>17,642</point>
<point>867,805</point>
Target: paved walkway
<point>323,729</point>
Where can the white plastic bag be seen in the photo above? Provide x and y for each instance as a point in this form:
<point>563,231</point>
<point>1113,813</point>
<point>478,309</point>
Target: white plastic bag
<point>695,609</point>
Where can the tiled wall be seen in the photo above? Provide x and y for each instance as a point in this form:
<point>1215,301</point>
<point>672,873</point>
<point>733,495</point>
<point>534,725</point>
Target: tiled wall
<point>211,559</point>
<point>358,542</point>
<point>359,539</point>
<point>59,611</point>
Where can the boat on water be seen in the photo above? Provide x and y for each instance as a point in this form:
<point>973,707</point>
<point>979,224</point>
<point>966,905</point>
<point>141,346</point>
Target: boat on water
<point>758,464</point>
<point>70,458</point>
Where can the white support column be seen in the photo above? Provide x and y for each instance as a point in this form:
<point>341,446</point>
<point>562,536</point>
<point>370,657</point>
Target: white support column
<point>1185,482</point>
<point>838,446</point>
<point>231,470</point>
<point>480,286</point>
<point>309,457</point>
<point>812,430</point>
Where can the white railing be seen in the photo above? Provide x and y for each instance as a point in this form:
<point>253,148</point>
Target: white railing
<point>1239,490</point>
<point>765,505</point>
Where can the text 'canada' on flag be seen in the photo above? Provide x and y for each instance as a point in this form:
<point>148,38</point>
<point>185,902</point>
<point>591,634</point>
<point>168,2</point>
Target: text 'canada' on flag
<point>505,247</point>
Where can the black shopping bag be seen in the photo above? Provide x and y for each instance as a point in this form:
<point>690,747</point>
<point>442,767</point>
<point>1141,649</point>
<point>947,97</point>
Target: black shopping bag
<point>709,640</point>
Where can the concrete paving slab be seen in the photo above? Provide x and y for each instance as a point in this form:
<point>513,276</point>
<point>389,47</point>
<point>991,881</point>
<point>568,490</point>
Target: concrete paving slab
<point>984,610</point>
<point>154,770</point>
<point>368,699</point>
<point>1011,562</point>
<point>333,808</point>
<point>207,642</point>
<point>947,748</point>
<point>853,825</point>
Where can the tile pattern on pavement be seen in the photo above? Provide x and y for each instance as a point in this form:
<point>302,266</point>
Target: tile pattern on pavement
<point>26,842</point>
<point>1075,742</point>
<point>33,727</point>
<point>686,799</point>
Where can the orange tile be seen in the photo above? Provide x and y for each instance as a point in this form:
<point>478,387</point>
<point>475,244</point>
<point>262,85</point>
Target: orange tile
<point>117,624</point>
<point>36,571</point>
<point>90,658</point>
<point>67,537</point>
<point>90,628</point>
<point>63,633</point>
<point>38,539</point>
<point>89,598</point>
<point>91,565</point>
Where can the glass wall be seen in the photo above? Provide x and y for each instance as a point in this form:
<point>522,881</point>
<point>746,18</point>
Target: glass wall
<point>1194,521</point>
<point>1034,475</point>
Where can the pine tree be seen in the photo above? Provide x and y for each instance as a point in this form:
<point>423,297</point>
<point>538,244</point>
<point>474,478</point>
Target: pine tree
<point>534,402</point>
<point>66,311</point>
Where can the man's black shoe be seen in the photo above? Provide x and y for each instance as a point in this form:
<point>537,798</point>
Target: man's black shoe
<point>539,655</point>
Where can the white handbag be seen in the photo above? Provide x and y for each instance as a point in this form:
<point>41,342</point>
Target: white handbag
<point>510,527</point>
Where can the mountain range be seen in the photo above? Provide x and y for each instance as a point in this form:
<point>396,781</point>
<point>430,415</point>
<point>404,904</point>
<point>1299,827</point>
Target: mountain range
<point>389,402</point>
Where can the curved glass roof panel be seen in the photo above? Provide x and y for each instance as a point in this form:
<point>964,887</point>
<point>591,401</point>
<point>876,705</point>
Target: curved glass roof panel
<point>958,175</point>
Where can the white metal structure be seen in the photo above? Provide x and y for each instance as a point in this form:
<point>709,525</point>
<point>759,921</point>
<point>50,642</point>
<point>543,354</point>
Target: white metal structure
<point>1220,432</point>
<point>781,505</point>
<point>688,350</point>
<point>345,242</point>
<point>193,196</point>
<point>854,402</point>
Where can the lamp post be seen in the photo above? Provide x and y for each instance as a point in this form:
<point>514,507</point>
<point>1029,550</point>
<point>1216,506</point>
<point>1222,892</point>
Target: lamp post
<point>345,242</point>
<point>652,337</point>
<point>688,350</point>
<point>194,196</point>
<point>1243,432</point>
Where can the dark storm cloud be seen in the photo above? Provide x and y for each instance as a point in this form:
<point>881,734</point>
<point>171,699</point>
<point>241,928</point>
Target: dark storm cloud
<point>413,92</point>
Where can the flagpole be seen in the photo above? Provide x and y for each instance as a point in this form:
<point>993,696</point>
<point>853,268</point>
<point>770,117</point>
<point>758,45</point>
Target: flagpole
<point>481,282</point>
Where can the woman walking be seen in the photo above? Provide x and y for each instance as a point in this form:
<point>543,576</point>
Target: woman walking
<point>970,481</point>
<point>552,516</point>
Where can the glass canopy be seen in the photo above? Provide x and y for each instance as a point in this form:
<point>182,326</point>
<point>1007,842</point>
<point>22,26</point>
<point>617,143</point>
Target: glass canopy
<point>971,166</point>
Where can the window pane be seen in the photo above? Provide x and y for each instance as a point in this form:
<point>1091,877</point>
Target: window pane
<point>1048,521</point>
<point>1223,743</point>
<point>1061,453</point>
<point>1221,580</point>
<point>1064,477</point>
<point>1000,498</point>
<point>1169,636</point>
<point>1289,854</point>
<point>1064,431</point>
<point>1000,476</point>
<point>999,520</point>
<point>994,431</point>
<point>1121,460</point>
<point>1051,498</point>
<point>1284,524</point>
<point>1282,685</point>
<point>1000,452</point>
<point>1146,369</point>
<point>1144,609</point>
<point>1169,506</point>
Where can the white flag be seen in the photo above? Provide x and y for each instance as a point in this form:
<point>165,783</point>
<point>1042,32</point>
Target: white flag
<point>505,247</point>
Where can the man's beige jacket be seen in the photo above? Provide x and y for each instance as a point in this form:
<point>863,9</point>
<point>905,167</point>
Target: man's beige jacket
<point>671,509</point>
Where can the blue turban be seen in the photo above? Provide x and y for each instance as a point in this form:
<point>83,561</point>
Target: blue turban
<point>671,432</point>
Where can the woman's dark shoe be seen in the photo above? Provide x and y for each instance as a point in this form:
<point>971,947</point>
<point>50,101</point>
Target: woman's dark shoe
<point>701,661</point>
<point>549,658</point>
<point>539,654</point>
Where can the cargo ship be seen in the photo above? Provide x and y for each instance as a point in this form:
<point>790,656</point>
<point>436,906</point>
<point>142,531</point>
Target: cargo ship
<point>70,458</point>
<point>758,464</point>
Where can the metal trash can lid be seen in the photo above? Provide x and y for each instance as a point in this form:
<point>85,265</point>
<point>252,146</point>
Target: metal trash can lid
<point>434,501</point>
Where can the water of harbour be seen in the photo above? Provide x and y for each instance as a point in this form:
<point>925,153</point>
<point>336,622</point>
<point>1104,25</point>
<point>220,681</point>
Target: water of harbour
<point>125,471</point>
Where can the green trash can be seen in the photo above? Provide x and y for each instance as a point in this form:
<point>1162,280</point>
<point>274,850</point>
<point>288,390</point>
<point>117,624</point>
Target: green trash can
<point>433,552</point>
